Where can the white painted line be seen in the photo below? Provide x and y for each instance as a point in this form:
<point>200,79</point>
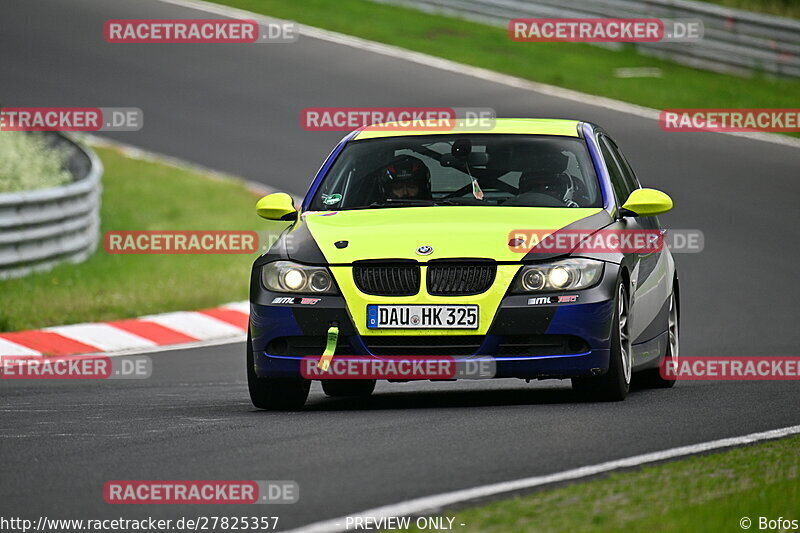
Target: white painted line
<point>12,348</point>
<point>475,72</point>
<point>432,504</point>
<point>242,307</point>
<point>102,336</point>
<point>197,325</point>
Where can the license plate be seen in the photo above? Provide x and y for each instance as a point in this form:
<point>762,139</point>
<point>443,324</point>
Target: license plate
<point>422,316</point>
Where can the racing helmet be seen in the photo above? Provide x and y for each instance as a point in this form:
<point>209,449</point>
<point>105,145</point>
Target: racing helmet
<point>407,169</point>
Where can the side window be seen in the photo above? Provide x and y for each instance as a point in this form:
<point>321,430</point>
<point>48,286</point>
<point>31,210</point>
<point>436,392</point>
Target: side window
<point>630,182</point>
<point>621,189</point>
<point>627,172</point>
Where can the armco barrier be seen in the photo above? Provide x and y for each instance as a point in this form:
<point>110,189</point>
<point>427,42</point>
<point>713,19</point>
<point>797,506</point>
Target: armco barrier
<point>734,41</point>
<point>43,227</point>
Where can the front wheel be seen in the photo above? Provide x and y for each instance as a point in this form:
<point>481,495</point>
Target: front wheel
<point>274,394</point>
<point>615,383</point>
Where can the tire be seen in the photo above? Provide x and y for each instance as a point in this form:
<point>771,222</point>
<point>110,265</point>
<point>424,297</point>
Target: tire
<point>274,394</point>
<point>613,386</point>
<point>348,387</point>
<point>652,378</point>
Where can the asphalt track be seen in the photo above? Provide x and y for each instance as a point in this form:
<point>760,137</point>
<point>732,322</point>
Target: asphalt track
<point>236,108</point>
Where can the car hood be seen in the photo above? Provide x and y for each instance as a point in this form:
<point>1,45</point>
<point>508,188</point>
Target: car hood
<point>451,231</point>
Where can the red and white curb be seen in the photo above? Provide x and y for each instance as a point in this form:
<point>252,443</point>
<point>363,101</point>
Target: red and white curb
<point>227,323</point>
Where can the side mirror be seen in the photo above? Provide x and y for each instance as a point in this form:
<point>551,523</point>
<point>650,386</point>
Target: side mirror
<point>646,203</point>
<point>276,206</point>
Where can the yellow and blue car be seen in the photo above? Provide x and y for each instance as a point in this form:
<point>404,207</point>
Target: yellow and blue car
<point>412,242</point>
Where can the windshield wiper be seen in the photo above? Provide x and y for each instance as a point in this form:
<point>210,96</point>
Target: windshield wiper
<point>402,202</point>
<point>408,201</point>
<point>449,201</point>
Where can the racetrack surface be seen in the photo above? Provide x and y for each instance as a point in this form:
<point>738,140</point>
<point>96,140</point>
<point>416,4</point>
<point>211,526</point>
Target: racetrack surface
<point>236,108</point>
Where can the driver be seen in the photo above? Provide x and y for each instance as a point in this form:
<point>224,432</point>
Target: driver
<point>406,177</point>
<point>549,176</point>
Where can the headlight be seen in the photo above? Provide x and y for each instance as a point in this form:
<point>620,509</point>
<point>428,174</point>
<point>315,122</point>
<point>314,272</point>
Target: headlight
<point>285,276</point>
<point>564,275</point>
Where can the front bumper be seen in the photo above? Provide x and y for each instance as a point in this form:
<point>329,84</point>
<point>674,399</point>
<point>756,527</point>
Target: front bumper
<point>527,338</point>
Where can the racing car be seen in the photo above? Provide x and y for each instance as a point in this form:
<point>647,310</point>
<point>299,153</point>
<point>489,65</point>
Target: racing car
<point>415,243</point>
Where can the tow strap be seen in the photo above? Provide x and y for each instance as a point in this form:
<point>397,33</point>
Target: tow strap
<point>330,347</point>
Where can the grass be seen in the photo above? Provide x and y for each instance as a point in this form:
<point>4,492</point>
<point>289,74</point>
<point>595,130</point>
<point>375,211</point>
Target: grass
<point>781,8</point>
<point>142,195</point>
<point>28,162</point>
<point>701,493</point>
<point>576,66</point>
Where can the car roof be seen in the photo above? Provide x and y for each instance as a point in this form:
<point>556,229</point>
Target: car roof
<point>518,126</point>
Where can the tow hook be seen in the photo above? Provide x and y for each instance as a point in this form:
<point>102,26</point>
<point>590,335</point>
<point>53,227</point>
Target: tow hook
<point>333,338</point>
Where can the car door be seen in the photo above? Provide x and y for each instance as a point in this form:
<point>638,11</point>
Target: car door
<point>649,277</point>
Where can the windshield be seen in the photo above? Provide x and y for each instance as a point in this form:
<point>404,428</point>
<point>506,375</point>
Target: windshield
<point>507,170</point>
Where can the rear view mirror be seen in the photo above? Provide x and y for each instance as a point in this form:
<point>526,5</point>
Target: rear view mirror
<point>646,202</point>
<point>276,206</point>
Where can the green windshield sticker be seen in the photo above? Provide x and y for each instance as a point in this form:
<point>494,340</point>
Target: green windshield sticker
<point>332,199</point>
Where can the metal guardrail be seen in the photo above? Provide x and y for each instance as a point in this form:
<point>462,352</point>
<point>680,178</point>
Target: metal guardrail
<point>735,41</point>
<point>43,227</point>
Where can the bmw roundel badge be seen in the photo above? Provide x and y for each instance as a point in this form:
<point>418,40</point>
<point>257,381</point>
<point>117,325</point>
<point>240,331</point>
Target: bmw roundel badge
<point>425,250</point>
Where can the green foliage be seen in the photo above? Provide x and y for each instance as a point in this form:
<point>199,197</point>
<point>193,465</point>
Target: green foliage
<point>27,162</point>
